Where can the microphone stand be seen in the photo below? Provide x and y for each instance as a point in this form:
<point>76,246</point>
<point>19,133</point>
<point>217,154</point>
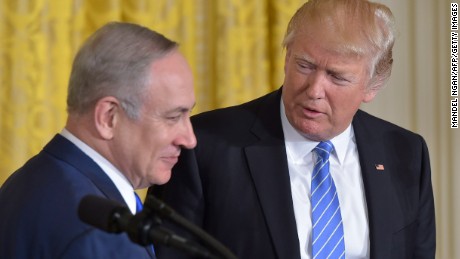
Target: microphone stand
<point>164,211</point>
<point>145,227</point>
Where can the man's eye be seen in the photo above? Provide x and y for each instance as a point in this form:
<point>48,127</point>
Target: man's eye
<point>174,118</point>
<point>305,66</point>
<point>338,78</point>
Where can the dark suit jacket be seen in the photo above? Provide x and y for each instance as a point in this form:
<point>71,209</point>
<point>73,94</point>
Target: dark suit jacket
<point>39,203</point>
<point>235,184</point>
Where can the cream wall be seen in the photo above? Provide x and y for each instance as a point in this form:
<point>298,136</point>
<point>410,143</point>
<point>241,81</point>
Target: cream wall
<point>417,97</point>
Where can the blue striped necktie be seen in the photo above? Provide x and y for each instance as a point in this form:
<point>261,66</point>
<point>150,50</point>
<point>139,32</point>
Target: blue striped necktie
<point>327,228</point>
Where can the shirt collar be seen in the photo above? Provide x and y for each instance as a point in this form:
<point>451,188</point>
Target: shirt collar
<point>302,146</point>
<point>118,178</point>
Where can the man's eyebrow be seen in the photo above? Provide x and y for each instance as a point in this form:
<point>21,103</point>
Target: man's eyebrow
<point>304,57</point>
<point>181,109</point>
<point>331,70</point>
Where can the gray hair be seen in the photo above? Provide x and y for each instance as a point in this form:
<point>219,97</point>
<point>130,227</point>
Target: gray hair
<point>360,28</point>
<point>114,62</point>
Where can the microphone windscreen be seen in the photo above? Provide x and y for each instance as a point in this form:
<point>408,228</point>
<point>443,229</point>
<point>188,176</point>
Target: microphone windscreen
<point>102,213</point>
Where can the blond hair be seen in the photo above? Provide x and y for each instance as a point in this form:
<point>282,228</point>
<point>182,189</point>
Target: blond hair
<point>359,27</point>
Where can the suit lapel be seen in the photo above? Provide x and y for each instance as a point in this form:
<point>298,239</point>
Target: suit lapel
<point>268,166</point>
<point>76,158</point>
<point>269,170</point>
<point>377,185</point>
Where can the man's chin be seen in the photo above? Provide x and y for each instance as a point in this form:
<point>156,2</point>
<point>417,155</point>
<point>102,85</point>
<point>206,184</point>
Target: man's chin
<point>162,177</point>
<point>314,132</point>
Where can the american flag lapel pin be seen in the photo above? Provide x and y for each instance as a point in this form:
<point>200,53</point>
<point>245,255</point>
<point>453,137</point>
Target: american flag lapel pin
<point>379,167</point>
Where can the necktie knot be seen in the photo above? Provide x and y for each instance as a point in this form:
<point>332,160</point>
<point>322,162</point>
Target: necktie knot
<point>324,149</point>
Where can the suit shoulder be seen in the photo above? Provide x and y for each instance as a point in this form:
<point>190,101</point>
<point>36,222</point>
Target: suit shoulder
<point>364,121</point>
<point>233,116</point>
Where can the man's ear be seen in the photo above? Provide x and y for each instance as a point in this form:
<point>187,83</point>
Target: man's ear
<point>369,95</point>
<point>106,116</point>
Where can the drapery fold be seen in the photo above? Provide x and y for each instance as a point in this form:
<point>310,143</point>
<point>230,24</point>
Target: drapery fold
<point>233,46</point>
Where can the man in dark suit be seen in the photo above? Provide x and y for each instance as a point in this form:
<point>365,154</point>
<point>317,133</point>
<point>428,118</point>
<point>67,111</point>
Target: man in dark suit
<point>250,178</point>
<point>129,101</point>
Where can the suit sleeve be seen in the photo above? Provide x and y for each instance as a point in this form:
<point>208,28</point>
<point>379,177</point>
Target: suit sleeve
<point>426,232</point>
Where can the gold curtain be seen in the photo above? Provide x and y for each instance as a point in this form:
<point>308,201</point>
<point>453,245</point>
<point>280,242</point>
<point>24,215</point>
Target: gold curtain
<point>233,46</point>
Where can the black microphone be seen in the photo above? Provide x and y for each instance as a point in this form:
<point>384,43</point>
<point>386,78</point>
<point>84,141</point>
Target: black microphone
<point>104,214</point>
<point>141,228</point>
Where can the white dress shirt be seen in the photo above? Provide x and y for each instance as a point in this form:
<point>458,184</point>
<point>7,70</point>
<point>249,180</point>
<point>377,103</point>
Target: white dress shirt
<point>346,172</point>
<point>120,181</point>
